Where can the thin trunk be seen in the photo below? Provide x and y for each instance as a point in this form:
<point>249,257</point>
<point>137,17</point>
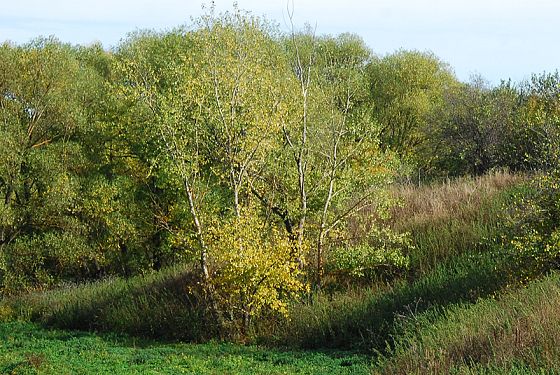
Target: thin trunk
<point>236,201</point>
<point>198,229</point>
<point>236,188</point>
<point>246,320</point>
<point>323,230</point>
<point>319,270</point>
<point>304,77</point>
<point>208,287</point>
<point>301,223</point>
<point>301,165</point>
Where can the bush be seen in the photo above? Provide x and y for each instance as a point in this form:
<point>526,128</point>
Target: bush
<point>532,231</point>
<point>382,251</point>
<point>42,260</point>
<point>254,269</point>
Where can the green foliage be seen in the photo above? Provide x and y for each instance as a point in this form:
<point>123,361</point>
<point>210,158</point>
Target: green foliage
<point>540,114</point>
<point>42,261</point>
<point>382,251</point>
<point>59,181</point>
<point>473,131</point>
<point>479,128</point>
<point>532,231</point>
<point>29,349</point>
<point>42,114</point>
<point>406,88</point>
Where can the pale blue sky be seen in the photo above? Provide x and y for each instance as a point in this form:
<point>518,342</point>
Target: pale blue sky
<point>495,38</point>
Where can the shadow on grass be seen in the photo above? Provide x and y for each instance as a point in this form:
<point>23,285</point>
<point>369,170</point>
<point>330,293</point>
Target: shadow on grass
<point>369,321</point>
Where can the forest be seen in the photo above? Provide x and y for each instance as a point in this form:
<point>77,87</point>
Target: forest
<point>232,184</point>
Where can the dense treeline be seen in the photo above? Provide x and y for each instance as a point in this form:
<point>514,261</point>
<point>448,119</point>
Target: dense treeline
<point>248,154</point>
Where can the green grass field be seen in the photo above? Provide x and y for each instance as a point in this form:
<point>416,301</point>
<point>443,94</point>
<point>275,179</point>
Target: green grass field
<point>27,348</point>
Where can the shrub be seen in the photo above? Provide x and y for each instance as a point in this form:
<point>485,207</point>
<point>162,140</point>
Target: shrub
<point>40,261</point>
<point>381,251</point>
<point>254,268</point>
<point>532,230</point>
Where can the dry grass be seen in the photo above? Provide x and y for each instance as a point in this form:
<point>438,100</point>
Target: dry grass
<point>459,199</point>
<point>448,219</point>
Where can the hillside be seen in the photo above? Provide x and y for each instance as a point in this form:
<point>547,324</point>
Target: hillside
<point>458,308</point>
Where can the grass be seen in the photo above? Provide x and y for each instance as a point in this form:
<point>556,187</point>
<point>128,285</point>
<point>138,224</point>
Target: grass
<point>456,311</point>
<point>367,319</point>
<point>26,348</point>
<point>448,219</point>
<point>519,331</point>
<point>152,306</point>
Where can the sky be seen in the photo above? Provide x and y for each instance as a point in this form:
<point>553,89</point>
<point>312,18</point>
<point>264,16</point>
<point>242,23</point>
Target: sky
<point>498,39</point>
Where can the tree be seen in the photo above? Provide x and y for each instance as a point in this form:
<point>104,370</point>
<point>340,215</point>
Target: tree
<point>237,80</point>
<point>150,84</point>
<point>538,135</point>
<point>471,134</point>
<point>215,118</point>
<point>330,165</point>
<point>42,109</point>
<point>406,88</point>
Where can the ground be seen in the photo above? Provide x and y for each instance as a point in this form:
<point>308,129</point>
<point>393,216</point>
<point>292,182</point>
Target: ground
<point>30,349</point>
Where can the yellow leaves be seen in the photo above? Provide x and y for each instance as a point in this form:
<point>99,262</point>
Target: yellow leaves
<point>254,266</point>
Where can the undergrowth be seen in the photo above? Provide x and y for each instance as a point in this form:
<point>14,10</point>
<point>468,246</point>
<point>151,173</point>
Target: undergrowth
<point>154,306</point>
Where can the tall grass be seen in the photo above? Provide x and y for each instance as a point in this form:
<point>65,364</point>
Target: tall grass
<point>456,199</point>
<point>367,319</point>
<point>518,331</point>
<point>155,306</point>
<point>451,218</point>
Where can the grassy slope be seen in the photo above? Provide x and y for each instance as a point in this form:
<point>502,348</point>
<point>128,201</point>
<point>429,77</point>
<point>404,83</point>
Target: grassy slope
<point>26,348</point>
<point>449,315</point>
<point>518,332</point>
<point>453,218</point>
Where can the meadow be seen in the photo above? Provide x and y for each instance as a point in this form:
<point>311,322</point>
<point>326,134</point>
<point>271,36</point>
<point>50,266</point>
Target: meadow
<point>458,309</point>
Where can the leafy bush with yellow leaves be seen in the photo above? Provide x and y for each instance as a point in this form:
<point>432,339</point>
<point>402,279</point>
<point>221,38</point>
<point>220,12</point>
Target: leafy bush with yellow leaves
<point>254,268</point>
